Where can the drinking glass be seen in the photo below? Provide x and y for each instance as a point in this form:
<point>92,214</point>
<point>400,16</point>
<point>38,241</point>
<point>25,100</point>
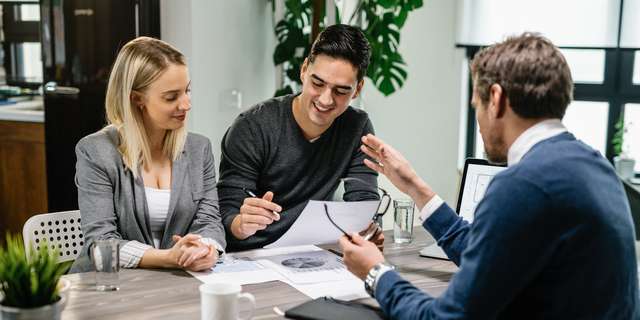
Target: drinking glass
<point>403,220</point>
<point>106,260</point>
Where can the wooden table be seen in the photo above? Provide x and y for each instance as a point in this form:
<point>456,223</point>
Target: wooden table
<point>174,294</point>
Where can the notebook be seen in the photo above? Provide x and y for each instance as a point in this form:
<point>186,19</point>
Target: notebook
<point>476,176</point>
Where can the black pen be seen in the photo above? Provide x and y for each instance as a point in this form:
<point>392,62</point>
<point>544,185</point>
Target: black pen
<point>253,195</point>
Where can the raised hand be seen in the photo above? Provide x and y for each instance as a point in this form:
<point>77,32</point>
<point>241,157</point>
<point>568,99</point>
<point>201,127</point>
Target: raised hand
<point>395,167</point>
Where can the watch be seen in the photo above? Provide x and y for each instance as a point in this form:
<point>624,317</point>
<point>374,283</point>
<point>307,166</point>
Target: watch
<point>372,277</point>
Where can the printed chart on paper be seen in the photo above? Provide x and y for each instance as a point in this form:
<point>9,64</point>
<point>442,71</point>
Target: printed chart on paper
<point>309,267</point>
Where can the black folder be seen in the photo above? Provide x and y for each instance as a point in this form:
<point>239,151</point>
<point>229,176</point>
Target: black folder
<point>327,308</point>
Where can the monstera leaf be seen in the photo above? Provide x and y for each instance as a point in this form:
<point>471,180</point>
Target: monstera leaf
<point>289,38</point>
<point>380,21</point>
<point>387,66</point>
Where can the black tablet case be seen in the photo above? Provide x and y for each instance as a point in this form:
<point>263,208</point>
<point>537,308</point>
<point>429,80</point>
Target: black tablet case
<point>327,308</point>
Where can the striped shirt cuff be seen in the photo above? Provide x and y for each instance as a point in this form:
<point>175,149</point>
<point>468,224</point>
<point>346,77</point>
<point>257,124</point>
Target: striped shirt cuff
<point>131,253</point>
<point>209,241</point>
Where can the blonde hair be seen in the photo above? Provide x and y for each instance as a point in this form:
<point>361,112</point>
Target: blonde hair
<point>139,63</point>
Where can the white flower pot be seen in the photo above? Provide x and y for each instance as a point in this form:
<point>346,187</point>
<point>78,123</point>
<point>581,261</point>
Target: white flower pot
<point>48,312</point>
<point>624,167</point>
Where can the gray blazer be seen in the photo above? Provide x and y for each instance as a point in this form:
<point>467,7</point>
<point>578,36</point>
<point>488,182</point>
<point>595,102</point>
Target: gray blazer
<point>113,202</point>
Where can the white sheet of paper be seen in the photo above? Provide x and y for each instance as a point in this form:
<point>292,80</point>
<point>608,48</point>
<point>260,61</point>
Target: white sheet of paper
<point>247,267</point>
<point>309,267</point>
<point>344,290</point>
<point>313,226</point>
<point>239,270</point>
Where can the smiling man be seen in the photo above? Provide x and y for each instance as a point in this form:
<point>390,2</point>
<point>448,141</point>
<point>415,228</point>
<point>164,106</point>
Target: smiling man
<point>292,149</point>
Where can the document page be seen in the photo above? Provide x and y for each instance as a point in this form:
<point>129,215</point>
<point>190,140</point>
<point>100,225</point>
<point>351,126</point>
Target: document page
<point>313,226</point>
<point>308,269</point>
<point>478,178</point>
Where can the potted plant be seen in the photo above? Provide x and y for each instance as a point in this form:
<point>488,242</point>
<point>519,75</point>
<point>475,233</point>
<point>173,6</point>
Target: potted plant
<point>381,22</point>
<point>29,287</point>
<point>623,161</point>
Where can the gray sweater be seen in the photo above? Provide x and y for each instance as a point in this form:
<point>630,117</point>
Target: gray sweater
<point>265,150</point>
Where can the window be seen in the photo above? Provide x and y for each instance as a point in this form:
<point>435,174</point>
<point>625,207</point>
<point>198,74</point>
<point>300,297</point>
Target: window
<point>587,120</point>
<point>636,68</point>
<point>29,12</point>
<point>632,137</point>
<point>587,65</point>
<point>607,81</point>
<point>21,45</point>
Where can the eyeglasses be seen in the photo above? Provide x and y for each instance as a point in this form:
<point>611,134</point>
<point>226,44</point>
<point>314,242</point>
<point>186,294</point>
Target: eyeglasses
<point>373,227</point>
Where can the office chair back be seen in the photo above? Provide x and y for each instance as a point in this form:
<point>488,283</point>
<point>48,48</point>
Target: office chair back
<point>59,231</point>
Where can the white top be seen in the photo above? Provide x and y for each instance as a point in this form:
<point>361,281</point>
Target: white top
<point>158,203</point>
<point>540,131</point>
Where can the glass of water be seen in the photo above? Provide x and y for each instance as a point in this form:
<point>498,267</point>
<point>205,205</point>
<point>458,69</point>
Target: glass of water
<point>106,260</point>
<point>403,220</point>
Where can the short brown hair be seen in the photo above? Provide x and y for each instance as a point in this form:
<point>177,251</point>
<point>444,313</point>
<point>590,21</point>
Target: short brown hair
<point>532,72</point>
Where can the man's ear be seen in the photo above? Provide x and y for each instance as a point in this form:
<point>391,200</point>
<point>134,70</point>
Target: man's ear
<point>497,101</point>
<point>303,70</point>
<point>358,88</point>
<point>137,98</point>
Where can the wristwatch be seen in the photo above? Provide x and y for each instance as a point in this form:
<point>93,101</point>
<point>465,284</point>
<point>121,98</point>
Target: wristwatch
<point>372,277</point>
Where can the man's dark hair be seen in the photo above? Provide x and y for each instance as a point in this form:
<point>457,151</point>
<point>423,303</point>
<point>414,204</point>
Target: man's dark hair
<point>532,72</point>
<point>343,42</point>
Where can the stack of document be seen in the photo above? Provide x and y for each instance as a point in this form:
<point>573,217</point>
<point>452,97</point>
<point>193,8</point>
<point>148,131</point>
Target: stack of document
<point>309,269</point>
<point>294,260</point>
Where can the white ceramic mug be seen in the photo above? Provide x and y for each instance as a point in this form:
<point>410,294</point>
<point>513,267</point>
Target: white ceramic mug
<point>219,301</point>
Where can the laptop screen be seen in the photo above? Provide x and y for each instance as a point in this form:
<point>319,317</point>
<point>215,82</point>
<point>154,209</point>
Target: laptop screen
<point>476,176</point>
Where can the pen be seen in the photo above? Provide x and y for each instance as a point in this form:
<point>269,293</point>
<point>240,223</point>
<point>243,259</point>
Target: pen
<point>253,195</point>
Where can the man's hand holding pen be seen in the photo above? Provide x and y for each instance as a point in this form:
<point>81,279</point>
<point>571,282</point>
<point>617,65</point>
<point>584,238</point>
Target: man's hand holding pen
<point>255,214</point>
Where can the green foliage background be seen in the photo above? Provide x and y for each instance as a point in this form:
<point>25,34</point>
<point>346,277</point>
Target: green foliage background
<point>381,22</point>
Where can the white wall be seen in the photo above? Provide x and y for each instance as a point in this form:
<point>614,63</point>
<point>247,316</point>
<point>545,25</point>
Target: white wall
<point>229,45</point>
<point>422,119</point>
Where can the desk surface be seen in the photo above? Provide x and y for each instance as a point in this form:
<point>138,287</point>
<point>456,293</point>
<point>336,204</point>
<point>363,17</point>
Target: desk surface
<point>174,294</point>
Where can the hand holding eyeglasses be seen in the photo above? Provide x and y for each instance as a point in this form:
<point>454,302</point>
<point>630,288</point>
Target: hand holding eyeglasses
<point>373,232</point>
<point>377,238</point>
<point>360,255</point>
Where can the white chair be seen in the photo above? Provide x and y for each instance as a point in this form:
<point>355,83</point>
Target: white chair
<point>59,231</point>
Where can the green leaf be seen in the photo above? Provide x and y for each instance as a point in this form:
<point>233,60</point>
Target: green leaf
<point>387,4</point>
<point>381,21</point>
<point>289,37</point>
<point>401,18</point>
<point>618,136</point>
<point>294,73</point>
<point>284,91</point>
<point>391,71</point>
<point>29,284</point>
<point>416,4</point>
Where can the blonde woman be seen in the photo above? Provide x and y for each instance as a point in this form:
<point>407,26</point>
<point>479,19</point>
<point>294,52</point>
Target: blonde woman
<point>144,178</point>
